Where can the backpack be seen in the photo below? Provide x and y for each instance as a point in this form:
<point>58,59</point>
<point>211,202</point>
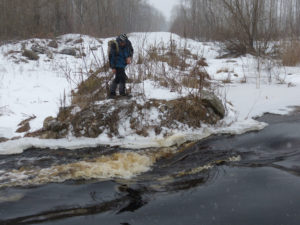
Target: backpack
<point>112,44</point>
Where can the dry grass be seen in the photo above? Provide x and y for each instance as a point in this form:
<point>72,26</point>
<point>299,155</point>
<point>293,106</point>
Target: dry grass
<point>190,111</point>
<point>190,81</point>
<point>11,52</point>
<point>90,85</point>
<point>174,57</point>
<point>202,62</point>
<point>227,81</point>
<point>180,73</point>
<point>140,59</point>
<point>291,54</point>
<point>91,90</point>
<point>223,70</point>
<point>243,80</point>
<point>166,66</point>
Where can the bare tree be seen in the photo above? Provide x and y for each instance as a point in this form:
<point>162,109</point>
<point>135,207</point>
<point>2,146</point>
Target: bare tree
<point>32,18</point>
<point>247,25</point>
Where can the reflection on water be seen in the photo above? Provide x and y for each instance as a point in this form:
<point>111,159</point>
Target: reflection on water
<point>4,197</point>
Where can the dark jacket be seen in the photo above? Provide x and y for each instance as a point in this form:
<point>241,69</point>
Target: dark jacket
<point>118,59</point>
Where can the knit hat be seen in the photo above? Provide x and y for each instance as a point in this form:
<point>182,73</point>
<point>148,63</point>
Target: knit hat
<point>123,37</point>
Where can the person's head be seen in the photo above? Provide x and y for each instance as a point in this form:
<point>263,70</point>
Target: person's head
<point>122,39</point>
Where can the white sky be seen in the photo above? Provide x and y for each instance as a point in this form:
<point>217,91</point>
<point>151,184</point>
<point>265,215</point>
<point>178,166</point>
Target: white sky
<point>165,6</point>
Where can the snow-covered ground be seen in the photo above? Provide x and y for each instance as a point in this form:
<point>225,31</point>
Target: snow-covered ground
<point>251,87</point>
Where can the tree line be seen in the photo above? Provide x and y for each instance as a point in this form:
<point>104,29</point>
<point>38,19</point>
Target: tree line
<point>45,18</point>
<point>242,21</point>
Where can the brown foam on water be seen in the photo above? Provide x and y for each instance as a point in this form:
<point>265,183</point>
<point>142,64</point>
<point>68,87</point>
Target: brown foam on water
<point>123,165</point>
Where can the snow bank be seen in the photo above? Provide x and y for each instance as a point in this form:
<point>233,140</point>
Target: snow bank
<point>35,88</point>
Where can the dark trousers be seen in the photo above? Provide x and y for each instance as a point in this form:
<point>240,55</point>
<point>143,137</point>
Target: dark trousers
<point>120,80</point>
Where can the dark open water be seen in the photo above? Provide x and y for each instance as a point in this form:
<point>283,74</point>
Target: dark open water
<point>229,180</point>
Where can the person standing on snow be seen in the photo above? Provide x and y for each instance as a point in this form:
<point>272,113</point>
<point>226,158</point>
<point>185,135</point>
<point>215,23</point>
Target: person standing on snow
<point>120,55</point>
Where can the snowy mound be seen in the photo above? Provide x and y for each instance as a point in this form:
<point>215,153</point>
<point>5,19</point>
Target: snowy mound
<point>37,89</point>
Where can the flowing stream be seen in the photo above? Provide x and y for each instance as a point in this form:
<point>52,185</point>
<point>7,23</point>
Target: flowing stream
<point>246,179</point>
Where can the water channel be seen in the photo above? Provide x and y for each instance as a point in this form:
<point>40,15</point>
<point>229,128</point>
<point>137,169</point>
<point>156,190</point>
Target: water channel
<point>230,180</point>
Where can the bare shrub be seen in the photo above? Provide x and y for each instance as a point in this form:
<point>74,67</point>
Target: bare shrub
<point>243,80</point>
<point>227,80</point>
<point>166,65</point>
<point>190,81</point>
<point>223,70</point>
<point>235,49</point>
<point>247,26</point>
<point>291,54</point>
<point>141,59</point>
<point>202,62</point>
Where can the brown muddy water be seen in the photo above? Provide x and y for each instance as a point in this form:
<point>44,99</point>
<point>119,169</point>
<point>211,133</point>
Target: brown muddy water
<point>228,180</point>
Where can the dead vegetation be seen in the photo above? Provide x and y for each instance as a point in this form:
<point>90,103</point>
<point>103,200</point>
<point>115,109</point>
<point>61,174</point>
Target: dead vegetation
<point>291,53</point>
<point>202,62</point>
<point>24,125</point>
<point>190,111</point>
<point>242,26</point>
<point>223,70</point>
<point>169,66</point>
<point>93,89</point>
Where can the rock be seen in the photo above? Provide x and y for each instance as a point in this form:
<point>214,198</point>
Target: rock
<point>2,139</point>
<point>52,124</point>
<point>47,122</point>
<point>57,126</point>
<point>49,135</point>
<point>22,123</point>
<point>211,100</point>
<point>31,55</point>
<point>36,133</point>
<point>16,138</point>
<point>39,49</point>
<point>22,60</point>
<point>63,133</point>
<point>88,115</point>
<point>24,128</point>
<point>94,48</point>
<point>49,54</point>
<point>78,41</point>
<point>68,51</point>
<point>53,44</point>
<point>93,132</point>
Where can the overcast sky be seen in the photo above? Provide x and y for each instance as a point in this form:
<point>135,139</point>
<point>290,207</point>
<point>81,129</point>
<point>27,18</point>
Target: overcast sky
<point>165,6</point>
